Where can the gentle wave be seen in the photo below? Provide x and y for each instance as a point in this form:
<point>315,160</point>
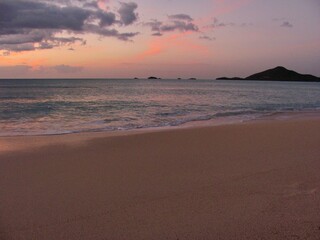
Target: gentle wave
<point>64,106</point>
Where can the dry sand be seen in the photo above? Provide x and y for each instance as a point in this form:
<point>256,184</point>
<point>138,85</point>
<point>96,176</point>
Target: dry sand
<point>256,180</point>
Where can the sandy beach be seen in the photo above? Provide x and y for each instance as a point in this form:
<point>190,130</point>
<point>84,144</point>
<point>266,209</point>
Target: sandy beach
<point>256,180</point>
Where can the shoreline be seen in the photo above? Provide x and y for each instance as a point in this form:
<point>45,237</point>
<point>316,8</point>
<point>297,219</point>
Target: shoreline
<point>20,142</point>
<point>250,180</point>
<point>218,121</point>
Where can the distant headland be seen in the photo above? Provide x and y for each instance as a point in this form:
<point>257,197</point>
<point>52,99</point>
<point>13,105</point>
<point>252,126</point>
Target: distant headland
<point>277,74</point>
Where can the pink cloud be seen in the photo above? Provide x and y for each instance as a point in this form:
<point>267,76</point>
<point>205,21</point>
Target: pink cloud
<point>173,41</point>
<point>103,4</point>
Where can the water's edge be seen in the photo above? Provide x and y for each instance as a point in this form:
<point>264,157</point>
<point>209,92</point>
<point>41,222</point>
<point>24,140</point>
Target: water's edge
<point>202,122</point>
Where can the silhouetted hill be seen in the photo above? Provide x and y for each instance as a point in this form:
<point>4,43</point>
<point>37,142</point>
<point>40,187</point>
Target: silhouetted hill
<point>278,74</point>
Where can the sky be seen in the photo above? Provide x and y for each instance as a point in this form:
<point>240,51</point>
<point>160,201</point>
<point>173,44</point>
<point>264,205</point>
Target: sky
<point>168,38</point>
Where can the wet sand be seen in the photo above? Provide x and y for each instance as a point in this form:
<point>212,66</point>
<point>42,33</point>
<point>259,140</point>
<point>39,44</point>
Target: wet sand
<point>257,180</point>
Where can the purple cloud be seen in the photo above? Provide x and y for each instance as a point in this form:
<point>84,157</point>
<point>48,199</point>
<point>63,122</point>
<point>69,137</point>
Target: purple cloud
<point>177,22</point>
<point>286,24</point>
<point>32,24</point>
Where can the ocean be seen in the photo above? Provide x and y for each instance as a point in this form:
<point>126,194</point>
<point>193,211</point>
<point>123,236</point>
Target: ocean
<point>58,106</point>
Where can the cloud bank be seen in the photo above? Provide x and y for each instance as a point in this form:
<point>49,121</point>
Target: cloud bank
<point>33,24</point>
<point>177,22</point>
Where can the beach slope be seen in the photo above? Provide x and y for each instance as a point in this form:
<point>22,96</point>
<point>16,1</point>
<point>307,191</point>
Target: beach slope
<point>256,180</point>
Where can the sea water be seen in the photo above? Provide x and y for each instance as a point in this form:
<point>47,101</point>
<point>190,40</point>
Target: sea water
<point>56,106</point>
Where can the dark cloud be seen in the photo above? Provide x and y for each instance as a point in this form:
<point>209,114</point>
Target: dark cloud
<point>25,36</point>
<point>217,23</point>
<point>18,47</point>
<point>178,25</point>
<point>92,4</point>
<point>127,12</point>
<point>68,40</point>
<point>29,40</point>
<point>107,32</point>
<point>35,24</point>
<point>37,15</point>
<point>286,24</point>
<point>178,22</point>
<point>183,17</point>
<point>154,24</point>
<point>106,18</point>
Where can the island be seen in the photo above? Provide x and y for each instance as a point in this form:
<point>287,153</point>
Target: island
<point>232,78</point>
<point>152,77</point>
<point>277,74</point>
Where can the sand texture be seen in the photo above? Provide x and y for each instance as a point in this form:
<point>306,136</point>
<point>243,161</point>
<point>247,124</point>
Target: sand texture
<point>256,180</point>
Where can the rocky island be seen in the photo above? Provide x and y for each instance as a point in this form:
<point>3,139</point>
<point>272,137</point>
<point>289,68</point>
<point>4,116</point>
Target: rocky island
<point>277,74</point>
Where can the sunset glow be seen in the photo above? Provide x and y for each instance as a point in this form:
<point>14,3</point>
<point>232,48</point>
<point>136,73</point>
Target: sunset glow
<point>170,39</point>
